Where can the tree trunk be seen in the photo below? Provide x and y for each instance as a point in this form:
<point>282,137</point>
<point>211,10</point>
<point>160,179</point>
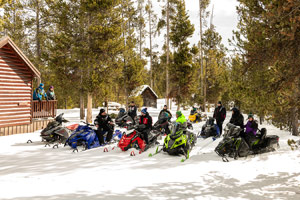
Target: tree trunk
<point>106,105</point>
<point>38,45</point>
<point>126,94</point>
<point>204,87</point>
<point>295,124</point>
<point>178,105</point>
<point>261,119</point>
<point>295,110</point>
<point>168,52</point>
<point>140,26</point>
<point>150,37</point>
<point>89,108</point>
<point>82,110</point>
<point>200,50</point>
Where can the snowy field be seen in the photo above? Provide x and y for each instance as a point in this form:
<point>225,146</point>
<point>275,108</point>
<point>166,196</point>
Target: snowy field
<point>32,171</point>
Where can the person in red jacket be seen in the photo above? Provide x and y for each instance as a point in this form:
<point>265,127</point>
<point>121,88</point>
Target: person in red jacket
<point>220,115</point>
<point>145,119</point>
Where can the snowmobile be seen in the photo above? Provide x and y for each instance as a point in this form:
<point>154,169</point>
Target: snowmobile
<point>123,119</point>
<point>86,137</point>
<point>162,125</point>
<point>196,117</point>
<point>55,132</point>
<point>209,129</point>
<point>179,141</point>
<point>234,146</point>
<point>133,138</point>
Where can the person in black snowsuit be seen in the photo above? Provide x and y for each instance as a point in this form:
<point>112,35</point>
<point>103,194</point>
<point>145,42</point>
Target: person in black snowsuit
<point>132,111</point>
<point>220,115</point>
<point>165,110</point>
<point>104,124</point>
<point>145,119</point>
<point>237,118</point>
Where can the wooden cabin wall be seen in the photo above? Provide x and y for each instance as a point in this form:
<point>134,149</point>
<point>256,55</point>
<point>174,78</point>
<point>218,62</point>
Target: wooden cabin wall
<point>15,89</point>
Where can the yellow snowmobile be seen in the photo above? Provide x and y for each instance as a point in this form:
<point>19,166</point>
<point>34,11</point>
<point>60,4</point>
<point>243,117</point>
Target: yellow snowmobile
<point>195,117</point>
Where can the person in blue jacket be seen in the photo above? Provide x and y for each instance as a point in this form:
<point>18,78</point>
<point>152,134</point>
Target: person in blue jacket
<point>39,92</point>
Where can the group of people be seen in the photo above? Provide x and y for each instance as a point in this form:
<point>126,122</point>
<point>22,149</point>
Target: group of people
<point>39,93</point>
<point>237,119</point>
<point>104,122</point>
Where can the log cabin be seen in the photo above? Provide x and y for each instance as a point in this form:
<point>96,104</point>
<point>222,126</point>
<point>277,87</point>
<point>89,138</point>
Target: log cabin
<point>148,95</point>
<point>18,112</point>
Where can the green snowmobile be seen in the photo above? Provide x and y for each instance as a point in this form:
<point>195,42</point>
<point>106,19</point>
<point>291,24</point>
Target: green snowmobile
<point>179,141</point>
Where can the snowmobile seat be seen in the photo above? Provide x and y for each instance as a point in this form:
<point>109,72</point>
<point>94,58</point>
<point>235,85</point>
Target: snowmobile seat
<point>263,133</point>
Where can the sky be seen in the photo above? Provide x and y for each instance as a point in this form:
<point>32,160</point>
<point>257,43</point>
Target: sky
<point>225,18</point>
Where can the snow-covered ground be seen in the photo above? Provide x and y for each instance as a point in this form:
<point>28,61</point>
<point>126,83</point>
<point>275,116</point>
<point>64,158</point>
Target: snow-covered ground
<point>32,171</point>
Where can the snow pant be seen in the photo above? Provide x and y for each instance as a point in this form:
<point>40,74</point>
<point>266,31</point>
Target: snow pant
<point>220,125</point>
<point>145,134</point>
<point>100,134</point>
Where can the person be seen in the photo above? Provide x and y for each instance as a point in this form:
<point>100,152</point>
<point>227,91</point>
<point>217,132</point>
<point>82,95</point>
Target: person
<point>163,111</point>
<point>251,129</point>
<point>39,92</point>
<point>220,115</point>
<point>194,110</point>
<point>181,120</point>
<point>145,119</point>
<point>50,93</point>
<point>237,118</point>
<point>210,128</point>
<point>132,110</point>
<point>104,124</point>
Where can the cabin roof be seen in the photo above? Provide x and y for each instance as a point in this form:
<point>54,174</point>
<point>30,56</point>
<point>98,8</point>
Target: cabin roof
<point>6,40</point>
<point>139,91</point>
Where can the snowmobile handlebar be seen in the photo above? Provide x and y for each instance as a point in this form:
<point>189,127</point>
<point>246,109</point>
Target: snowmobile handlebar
<point>88,124</point>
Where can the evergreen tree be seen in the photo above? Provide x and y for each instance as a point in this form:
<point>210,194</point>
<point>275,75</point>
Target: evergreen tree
<point>182,69</point>
<point>13,23</point>
<point>152,22</point>
<point>269,39</point>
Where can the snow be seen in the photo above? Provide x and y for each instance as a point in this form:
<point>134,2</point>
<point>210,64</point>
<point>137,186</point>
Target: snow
<point>32,171</point>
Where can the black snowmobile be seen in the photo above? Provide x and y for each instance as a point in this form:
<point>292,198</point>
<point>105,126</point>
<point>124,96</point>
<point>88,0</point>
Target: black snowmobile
<point>162,125</point>
<point>234,146</point>
<point>123,119</point>
<point>209,129</point>
<point>55,132</point>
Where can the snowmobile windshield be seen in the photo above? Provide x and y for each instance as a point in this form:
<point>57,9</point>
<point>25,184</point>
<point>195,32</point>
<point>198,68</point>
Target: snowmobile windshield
<point>121,114</point>
<point>210,121</point>
<point>176,127</point>
<point>232,130</point>
<point>60,118</point>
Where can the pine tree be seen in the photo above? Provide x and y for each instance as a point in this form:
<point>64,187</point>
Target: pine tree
<point>182,69</point>
<point>13,23</point>
<point>133,73</point>
<point>152,22</point>
<point>271,32</point>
